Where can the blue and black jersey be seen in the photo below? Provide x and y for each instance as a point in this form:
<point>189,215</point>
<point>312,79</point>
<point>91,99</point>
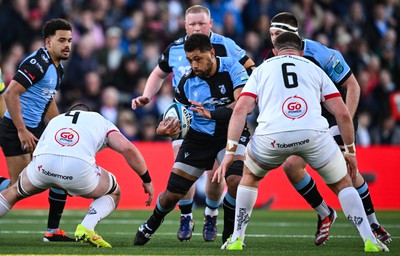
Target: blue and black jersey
<point>41,79</point>
<point>214,92</point>
<point>173,59</point>
<point>333,64</point>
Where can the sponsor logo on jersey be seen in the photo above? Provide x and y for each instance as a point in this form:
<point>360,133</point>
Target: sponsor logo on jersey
<point>294,107</point>
<point>244,78</point>
<point>222,88</point>
<point>45,58</point>
<point>39,67</point>
<point>186,154</point>
<point>66,137</point>
<point>289,145</point>
<point>49,93</point>
<point>338,67</point>
<point>179,41</point>
<point>32,77</point>
<point>217,102</point>
<point>52,174</point>
<point>33,61</point>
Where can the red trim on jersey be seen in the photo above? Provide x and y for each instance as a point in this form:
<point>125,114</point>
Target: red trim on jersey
<point>333,95</point>
<point>248,94</point>
<point>111,132</point>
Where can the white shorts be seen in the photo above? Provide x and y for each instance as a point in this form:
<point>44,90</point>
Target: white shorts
<point>72,174</point>
<point>317,148</point>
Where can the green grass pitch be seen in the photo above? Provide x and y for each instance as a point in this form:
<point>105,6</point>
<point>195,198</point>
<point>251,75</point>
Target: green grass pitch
<point>269,233</point>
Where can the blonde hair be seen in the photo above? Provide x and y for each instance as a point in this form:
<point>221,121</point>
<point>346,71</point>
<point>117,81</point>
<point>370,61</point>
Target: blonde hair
<point>197,9</point>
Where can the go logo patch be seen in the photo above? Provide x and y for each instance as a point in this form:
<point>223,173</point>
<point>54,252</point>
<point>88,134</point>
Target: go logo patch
<point>294,107</point>
<point>66,137</point>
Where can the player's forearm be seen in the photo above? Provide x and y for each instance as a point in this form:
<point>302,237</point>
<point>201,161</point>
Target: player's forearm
<point>236,124</point>
<point>135,160</point>
<point>2,106</point>
<point>154,83</point>
<point>346,129</point>
<point>52,111</point>
<point>14,108</point>
<point>353,95</point>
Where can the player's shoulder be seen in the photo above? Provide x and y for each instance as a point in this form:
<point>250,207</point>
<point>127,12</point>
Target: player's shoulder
<point>175,45</point>
<point>179,42</point>
<point>226,63</point>
<point>219,39</point>
<point>40,59</point>
<point>312,48</point>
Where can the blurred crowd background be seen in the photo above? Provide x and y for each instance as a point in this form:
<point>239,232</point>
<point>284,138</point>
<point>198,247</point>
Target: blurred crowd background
<point>117,43</point>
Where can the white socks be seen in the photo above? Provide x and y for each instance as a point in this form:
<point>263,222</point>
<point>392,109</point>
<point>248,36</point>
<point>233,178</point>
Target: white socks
<point>99,209</point>
<point>245,199</point>
<point>211,212</point>
<point>353,210</point>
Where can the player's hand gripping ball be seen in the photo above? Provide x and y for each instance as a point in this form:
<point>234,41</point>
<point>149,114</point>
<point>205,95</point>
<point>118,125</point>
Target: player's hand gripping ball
<point>179,111</point>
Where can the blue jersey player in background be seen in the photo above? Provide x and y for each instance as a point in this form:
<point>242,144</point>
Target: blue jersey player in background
<point>30,102</point>
<point>211,88</point>
<point>334,65</point>
<point>173,60</point>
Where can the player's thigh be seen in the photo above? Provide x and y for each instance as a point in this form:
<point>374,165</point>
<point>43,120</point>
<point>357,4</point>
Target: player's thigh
<point>72,174</point>
<point>176,144</point>
<point>263,154</point>
<point>294,168</point>
<point>16,164</point>
<point>107,185</point>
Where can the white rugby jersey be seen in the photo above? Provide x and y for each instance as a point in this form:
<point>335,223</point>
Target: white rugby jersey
<point>78,134</point>
<point>289,91</point>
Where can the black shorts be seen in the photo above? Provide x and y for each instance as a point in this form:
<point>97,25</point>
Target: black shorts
<point>9,140</point>
<point>200,150</point>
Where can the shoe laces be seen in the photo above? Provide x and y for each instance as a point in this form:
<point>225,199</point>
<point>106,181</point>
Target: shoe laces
<point>210,222</point>
<point>185,223</point>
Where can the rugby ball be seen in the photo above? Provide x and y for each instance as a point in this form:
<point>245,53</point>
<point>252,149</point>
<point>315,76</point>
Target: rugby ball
<point>179,111</point>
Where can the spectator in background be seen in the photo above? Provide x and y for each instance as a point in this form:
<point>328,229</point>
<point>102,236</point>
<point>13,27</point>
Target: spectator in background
<point>165,96</point>
<point>252,45</point>
<point>363,80</point>
<point>147,131</point>
<point>36,43</point>
<point>377,27</point>
<point>363,136</point>
<point>82,62</point>
<point>127,124</point>
<point>86,25</point>
<point>356,19</point>
<point>91,94</point>
<point>310,15</point>
<point>132,27</point>
<point>388,56</point>
<point>151,53</point>
<point>380,97</point>
<point>110,56</point>
<point>373,69</point>
<point>127,78</point>
<point>109,104</point>
<point>328,28</point>
<point>387,132</point>
<point>254,9</point>
<point>14,20</point>
<point>51,9</point>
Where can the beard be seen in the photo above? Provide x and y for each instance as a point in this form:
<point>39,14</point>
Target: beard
<point>206,73</point>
